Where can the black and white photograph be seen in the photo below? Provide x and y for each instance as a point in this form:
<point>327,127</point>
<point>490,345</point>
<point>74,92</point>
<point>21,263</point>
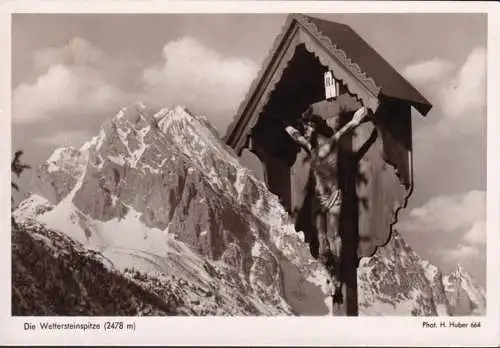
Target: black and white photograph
<point>279,164</point>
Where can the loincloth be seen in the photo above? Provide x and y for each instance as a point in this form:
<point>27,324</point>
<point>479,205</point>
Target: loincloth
<point>328,203</point>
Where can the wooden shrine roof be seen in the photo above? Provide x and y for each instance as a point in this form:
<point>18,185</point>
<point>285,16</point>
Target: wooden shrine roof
<point>387,78</point>
<point>362,63</point>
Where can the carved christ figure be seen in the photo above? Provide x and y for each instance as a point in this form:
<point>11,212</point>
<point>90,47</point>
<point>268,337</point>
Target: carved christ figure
<point>320,142</point>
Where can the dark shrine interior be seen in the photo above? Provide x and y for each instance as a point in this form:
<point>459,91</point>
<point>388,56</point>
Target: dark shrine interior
<point>298,87</point>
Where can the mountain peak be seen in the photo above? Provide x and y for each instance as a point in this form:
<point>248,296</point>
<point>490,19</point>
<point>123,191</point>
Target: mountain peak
<point>461,272</point>
<point>62,158</point>
<point>131,112</point>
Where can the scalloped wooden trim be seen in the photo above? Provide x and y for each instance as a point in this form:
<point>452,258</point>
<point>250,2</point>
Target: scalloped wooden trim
<point>403,205</point>
<point>265,94</point>
<point>380,243</point>
<point>360,92</point>
<point>338,53</point>
<point>358,84</point>
<point>287,27</point>
<point>340,72</point>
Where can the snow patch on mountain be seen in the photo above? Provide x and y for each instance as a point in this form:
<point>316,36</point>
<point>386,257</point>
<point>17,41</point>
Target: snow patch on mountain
<point>66,159</point>
<point>464,294</point>
<point>32,207</point>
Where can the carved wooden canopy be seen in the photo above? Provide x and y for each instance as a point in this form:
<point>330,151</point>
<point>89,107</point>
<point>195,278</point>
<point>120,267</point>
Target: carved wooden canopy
<point>366,74</point>
<point>291,79</point>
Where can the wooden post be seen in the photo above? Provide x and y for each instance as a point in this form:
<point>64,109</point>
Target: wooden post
<point>351,238</point>
<point>348,230</point>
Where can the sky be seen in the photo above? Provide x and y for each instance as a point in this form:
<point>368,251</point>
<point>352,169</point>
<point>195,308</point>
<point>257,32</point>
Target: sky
<point>71,72</point>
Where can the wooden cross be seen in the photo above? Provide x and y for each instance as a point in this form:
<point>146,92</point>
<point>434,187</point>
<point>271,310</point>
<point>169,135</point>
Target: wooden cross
<point>349,218</point>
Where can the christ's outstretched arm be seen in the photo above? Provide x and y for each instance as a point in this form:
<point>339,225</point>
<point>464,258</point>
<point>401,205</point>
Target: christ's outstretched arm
<point>299,139</point>
<point>356,120</point>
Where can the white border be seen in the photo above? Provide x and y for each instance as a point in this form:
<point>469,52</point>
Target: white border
<point>389,331</point>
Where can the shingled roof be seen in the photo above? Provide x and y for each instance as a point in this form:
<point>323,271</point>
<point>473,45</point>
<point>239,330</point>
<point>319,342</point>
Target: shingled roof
<point>357,58</point>
<point>391,83</point>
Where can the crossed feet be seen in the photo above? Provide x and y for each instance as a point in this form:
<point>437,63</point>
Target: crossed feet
<point>331,263</point>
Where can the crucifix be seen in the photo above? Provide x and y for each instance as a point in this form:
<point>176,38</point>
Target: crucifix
<point>332,187</point>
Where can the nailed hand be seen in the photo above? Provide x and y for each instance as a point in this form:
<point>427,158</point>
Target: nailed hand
<point>359,116</point>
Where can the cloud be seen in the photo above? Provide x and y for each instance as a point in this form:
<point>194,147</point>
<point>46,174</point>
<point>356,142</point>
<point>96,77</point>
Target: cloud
<point>78,79</point>
<point>74,79</point>
<point>462,252</point>
<point>458,93</point>
<point>76,52</point>
<point>454,226</point>
<point>477,234</point>
<point>428,71</point>
<point>449,213</point>
<point>467,90</point>
<point>199,77</point>
<point>65,138</point>
<point>449,145</point>
<point>64,89</point>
